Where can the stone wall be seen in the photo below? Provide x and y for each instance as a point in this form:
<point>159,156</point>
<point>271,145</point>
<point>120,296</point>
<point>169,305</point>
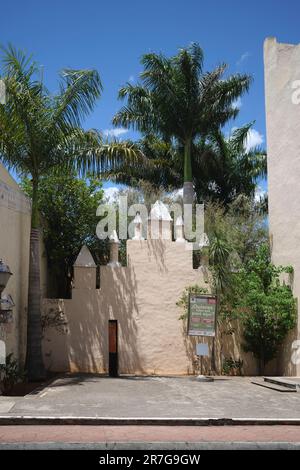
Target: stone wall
<point>142,297</point>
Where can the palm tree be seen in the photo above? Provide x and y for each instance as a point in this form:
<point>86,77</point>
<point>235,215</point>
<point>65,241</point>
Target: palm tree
<point>177,100</point>
<point>38,133</point>
<point>226,167</point>
<point>223,167</point>
<point>158,168</point>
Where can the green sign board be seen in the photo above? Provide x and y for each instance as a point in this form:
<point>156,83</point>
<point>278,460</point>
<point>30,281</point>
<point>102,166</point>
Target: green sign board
<point>202,314</point>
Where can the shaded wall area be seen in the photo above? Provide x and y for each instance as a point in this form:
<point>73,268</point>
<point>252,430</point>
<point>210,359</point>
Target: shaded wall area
<point>142,297</point>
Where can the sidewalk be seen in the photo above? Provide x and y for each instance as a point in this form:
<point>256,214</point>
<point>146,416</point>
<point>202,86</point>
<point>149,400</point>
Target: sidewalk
<point>149,437</point>
<point>102,400</point>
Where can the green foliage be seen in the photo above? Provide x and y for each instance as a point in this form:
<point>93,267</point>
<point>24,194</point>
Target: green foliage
<point>10,374</point>
<point>224,167</point>
<point>232,367</point>
<point>177,100</point>
<point>265,306</point>
<point>40,131</point>
<point>183,302</point>
<point>235,233</point>
<point>67,206</point>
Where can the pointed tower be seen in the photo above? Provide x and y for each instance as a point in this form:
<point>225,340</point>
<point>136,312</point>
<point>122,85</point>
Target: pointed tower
<point>159,222</point>
<point>84,270</point>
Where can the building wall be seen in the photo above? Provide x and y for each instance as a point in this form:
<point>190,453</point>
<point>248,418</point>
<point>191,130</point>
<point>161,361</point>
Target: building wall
<point>142,297</point>
<point>282,69</point>
<point>15,212</point>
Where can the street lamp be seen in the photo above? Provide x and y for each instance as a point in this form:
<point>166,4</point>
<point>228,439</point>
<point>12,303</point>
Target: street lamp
<point>4,276</point>
<point>7,303</point>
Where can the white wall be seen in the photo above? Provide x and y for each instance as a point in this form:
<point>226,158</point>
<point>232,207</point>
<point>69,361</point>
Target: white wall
<point>282,69</point>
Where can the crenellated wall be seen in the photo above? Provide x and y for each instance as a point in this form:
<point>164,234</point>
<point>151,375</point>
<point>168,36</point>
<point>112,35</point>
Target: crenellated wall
<point>142,297</point>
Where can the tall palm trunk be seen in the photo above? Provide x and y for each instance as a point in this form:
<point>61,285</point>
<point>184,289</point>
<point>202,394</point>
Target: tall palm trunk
<point>34,359</point>
<point>188,187</point>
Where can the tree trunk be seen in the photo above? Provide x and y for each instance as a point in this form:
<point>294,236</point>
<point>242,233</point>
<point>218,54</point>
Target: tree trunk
<point>34,359</point>
<point>188,187</point>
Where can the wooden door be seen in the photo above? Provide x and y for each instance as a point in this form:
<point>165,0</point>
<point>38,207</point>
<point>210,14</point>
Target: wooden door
<point>113,347</point>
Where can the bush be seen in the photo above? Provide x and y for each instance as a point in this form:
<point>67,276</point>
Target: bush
<point>10,374</point>
<point>232,367</point>
<point>265,306</point>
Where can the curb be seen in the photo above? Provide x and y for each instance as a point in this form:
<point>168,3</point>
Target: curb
<point>144,421</point>
<point>111,446</point>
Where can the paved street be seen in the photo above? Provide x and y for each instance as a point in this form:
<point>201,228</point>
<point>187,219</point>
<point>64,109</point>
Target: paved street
<point>153,397</point>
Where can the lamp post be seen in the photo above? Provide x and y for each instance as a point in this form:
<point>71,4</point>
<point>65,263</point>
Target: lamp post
<point>5,274</point>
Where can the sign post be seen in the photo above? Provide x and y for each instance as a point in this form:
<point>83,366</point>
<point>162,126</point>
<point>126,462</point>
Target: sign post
<point>201,322</point>
<point>201,350</point>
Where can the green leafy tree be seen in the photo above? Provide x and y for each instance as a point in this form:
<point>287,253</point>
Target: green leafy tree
<point>240,225</point>
<point>226,168</point>
<point>67,206</point>
<point>38,132</point>
<point>223,167</point>
<point>236,232</point>
<point>265,306</point>
<point>160,168</point>
<point>177,101</point>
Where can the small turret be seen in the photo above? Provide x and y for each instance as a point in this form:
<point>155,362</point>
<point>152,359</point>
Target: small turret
<point>159,222</point>
<point>114,244</point>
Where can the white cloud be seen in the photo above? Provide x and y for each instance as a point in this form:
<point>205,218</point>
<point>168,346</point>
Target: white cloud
<point>110,193</point>
<point>243,57</point>
<point>254,139</point>
<point>237,104</point>
<point>115,132</point>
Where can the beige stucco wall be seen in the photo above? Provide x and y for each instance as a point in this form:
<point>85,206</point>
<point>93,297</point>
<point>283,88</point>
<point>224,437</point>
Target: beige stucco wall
<point>142,297</point>
<point>14,250</point>
<point>282,69</point>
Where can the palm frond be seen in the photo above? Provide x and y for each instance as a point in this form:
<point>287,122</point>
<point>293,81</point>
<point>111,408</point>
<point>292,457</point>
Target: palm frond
<point>79,91</point>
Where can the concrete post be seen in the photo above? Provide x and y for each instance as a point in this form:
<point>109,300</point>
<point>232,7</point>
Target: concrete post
<point>114,249</point>
<point>204,243</point>
<point>138,224</point>
<point>179,229</point>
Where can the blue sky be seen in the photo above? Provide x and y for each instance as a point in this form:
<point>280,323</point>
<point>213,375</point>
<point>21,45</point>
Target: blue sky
<point>111,37</point>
